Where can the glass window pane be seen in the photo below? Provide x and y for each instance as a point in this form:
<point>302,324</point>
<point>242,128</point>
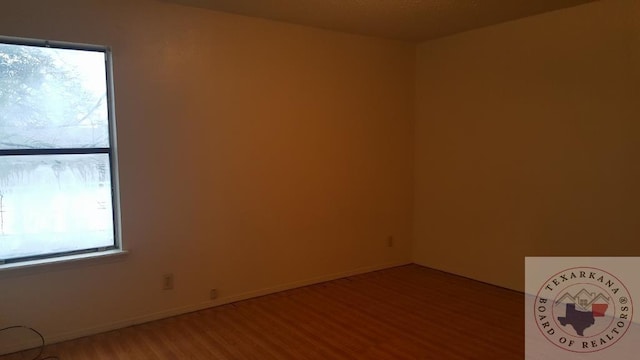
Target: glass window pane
<point>54,203</point>
<point>52,98</point>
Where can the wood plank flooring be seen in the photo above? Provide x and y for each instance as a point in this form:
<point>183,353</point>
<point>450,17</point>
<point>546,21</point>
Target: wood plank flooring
<point>407,312</point>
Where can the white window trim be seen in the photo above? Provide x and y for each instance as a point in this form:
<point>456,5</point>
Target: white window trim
<point>92,256</point>
<point>118,249</point>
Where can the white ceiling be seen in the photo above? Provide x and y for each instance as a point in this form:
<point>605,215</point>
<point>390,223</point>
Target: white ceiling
<point>413,20</point>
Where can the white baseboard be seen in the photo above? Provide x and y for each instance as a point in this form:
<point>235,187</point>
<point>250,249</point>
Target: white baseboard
<point>54,338</point>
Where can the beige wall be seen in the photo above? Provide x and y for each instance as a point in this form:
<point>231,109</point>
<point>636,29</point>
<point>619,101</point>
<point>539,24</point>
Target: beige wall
<point>254,156</point>
<point>528,142</point>
<point>257,156</point>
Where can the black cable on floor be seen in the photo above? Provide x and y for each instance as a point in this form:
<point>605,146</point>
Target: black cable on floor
<point>40,348</point>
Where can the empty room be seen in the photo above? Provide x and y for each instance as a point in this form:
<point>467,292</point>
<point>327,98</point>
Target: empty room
<point>280,179</point>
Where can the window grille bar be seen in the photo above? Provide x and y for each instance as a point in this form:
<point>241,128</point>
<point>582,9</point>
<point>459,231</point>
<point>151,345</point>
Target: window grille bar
<point>63,151</point>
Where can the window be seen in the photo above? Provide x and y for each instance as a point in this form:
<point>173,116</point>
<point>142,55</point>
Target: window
<point>58,183</point>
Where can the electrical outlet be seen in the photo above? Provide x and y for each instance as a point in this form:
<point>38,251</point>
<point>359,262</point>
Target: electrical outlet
<point>167,282</point>
<point>213,294</point>
<point>390,241</point>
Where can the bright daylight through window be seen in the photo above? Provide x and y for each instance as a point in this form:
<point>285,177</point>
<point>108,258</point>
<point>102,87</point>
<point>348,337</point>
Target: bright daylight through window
<point>58,191</point>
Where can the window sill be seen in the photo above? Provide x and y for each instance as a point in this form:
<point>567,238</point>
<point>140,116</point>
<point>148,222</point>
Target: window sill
<point>63,260</point>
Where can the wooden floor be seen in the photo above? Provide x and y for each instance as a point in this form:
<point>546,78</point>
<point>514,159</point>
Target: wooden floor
<point>408,312</point>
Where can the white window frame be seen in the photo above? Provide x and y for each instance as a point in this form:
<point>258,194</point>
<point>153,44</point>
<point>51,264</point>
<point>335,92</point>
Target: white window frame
<point>117,247</point>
